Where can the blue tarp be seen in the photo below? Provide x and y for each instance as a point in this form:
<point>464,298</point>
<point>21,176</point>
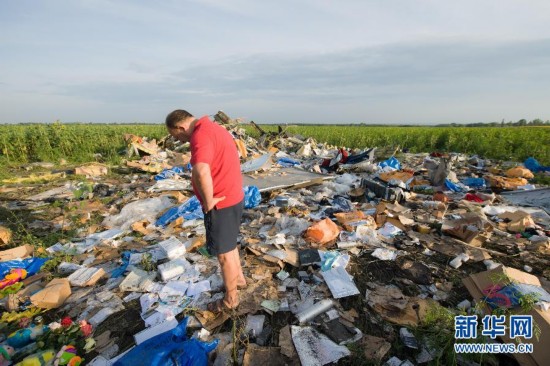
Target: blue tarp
<point>391,162</point>
<point>475,183</point>
<point>191,209</point>
<point>169,349</point>
<point>287,162</point>
<point>533,165</point>
<point>171,173</point>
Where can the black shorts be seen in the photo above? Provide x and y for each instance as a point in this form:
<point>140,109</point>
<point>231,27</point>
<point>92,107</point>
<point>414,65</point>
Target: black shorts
<point>222,228</point>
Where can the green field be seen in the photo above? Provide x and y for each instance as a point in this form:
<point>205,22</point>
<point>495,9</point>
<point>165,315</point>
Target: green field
<point>77,143</point>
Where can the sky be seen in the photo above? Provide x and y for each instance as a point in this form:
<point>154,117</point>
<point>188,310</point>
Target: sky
<point>285,61</point>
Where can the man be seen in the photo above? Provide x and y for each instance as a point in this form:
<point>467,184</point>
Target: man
<point>217,183</point>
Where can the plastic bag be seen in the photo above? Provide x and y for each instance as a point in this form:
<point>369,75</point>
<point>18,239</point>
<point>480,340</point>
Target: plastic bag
<point>146,209</point>
<point>287,162</point>
<point>31,265</point>
<point>392,163</point>
<point>171,173</point>
<point>452,187</point>
<point>117,272</point>
<point>169,349</point>
<point>189,210</point>
<point>475,183</point>
<point>252,196</point>
<point>533,165</point>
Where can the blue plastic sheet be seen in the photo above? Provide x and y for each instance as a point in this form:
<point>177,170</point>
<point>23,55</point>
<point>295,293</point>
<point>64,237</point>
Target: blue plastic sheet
<point>169,349</point>
<point>31,265</point>
<point>117,272</point>
<point>171,173</point>
<point>189,210</point>
<point>252,196</point>
<point>451,186</point>
<point>192,209</point>
<point>533,165</point>
<point>391,162</point>
<point>475,183</point>
<point>287,162</point>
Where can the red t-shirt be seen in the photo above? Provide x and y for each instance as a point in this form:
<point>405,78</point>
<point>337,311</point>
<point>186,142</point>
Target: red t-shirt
<point>213,145</point>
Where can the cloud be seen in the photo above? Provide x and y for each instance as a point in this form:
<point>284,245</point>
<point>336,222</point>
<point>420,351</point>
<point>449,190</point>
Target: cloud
<point>424,69</point>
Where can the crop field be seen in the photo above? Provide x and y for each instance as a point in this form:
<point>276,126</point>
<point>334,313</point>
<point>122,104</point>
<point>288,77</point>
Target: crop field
<point>77,143</point>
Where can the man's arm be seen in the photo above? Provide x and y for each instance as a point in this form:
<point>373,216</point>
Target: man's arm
<point>202,179</point>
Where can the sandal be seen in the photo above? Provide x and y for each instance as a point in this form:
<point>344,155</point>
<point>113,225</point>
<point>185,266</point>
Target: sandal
<point>219,306</point>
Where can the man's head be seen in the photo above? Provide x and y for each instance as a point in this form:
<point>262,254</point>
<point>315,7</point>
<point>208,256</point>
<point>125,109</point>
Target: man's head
<point>180,124</point>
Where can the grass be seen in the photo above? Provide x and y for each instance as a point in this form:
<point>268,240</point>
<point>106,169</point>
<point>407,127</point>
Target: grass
<point>78,143</point>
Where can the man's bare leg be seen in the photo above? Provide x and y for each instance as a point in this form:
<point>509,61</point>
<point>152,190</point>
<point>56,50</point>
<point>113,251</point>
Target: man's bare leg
<point>241,281</point>
<point>230,274</point>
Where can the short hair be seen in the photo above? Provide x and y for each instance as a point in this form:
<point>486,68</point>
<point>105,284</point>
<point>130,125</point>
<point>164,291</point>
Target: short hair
<point>176,116</point>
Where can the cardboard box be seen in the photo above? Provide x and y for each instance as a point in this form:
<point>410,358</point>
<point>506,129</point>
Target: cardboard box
<point>476,283</point>
<point>53,295</point>
<point>21,252</point>
<point>471,229</point>
<point>86,276</point>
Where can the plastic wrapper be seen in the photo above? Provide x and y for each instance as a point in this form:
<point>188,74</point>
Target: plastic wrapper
<point>533,165</point>
<point>31,265</point>
<point>252,196</point>
<point>169,349</point>
<point>146,209</point>
<point>171,173</point>
<point>390,164</point>
<point>189,210</point>
<point>287,162</point>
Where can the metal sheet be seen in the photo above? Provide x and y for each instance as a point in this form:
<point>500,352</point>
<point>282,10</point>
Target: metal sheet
<point>284,178</point>
<point>535,198</point>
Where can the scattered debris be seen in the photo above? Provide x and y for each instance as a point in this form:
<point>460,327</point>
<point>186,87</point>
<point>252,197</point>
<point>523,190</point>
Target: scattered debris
<point>322,226</point>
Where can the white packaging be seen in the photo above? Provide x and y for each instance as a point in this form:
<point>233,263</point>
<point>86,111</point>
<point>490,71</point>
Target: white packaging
<point>172,247</point>
<point>173,268</point>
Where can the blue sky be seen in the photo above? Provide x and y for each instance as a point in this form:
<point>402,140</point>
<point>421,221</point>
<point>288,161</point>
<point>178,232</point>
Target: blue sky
<point>400,61</point>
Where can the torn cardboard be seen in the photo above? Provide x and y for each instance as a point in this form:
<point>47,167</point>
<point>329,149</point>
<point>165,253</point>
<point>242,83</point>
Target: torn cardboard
<point>53,295</point>
<point>20,252</point>
<point>479,282</point>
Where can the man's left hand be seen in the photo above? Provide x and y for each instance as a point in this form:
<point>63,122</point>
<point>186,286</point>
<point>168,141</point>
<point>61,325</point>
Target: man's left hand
<point>212,204</point>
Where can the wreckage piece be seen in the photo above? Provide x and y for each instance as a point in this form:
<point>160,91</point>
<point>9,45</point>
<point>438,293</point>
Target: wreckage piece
<point>289,178</point>
<point>315,348</point>
<point>383,191</point>
<point>262,163</point>
<point>534,198</point>
<point>317,309</point>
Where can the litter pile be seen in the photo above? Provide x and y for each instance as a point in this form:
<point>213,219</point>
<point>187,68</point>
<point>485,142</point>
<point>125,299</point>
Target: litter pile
<point>347,254</point>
